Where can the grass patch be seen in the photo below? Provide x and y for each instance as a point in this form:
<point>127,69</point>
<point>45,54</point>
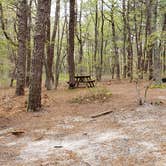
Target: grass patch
<point>4,82</point>
<point>161,86</point>
<point>98,94</point>
<point>63,77</point>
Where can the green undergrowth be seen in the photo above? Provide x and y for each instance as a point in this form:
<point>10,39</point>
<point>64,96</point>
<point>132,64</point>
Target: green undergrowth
<point>94,95</point>
<point>160,86</point>
<point>63,77</point>
<point>4,82</point>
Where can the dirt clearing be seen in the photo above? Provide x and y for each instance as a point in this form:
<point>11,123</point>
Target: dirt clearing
<point>64,133</point>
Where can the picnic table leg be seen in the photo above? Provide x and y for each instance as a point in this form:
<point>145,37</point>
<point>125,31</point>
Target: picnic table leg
<point>91,83</point>
<point>77,82</point>
<point>89,79</point>
<point>88,84</point>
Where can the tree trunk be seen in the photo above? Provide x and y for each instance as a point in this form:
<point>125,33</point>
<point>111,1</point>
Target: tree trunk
<point>71,64</point>
<point>157,63</point>
<point>102,41</point>
<point>2,20</point>
<point>129,47</point>
<point>148,49</point>
<point>59,50</point>
<point>22,36</point>
<point>29,21</point>
<point>49,59</point>
<point>164,44</point>
<point>124,40</point>
<point>114,38</point>
<point>79,37</point>
<point>138,38</point>
<point>140,53</point>
<point>34,100</point>
<point>52,45</point>
<point>96,43</point>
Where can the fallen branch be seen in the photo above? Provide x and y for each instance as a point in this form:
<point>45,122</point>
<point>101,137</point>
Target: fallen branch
<point>58,146</point>
<point>17,133</point>
<point>101,114</point>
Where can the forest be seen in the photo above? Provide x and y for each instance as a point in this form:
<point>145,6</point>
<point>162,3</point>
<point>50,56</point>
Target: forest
<point>82,82</point>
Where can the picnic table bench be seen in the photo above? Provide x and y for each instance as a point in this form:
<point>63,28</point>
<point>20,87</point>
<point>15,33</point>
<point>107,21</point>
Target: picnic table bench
<point>84,79</point>
<point>164,80</point>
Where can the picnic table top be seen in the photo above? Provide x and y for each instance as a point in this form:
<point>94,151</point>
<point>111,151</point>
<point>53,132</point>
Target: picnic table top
<point>82,76</point>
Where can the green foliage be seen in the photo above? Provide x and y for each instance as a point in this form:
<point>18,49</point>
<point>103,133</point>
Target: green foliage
<point>63,77</point>
<point>88,35</point>
<point>160,86</point>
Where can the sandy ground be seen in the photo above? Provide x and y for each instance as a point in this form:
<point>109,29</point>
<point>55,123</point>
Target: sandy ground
<point>64,134</point>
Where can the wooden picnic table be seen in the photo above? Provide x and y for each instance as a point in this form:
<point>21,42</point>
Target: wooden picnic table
<point>85,79</point>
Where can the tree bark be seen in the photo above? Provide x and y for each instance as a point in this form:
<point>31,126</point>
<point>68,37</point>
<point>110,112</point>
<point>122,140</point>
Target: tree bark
<point>157,62</point>
<point>138,38</point>
<point>34,100</point>
<point>102,41</point>
<point>22,49</point>
<point>114,38</point>
<point>29,22</point>
<point>140,53</point>
<point>148,52</point>
<point>51,45</point>
<point>129,47</point>
<point>96,64</point>
<point>124,39</point>
<point>49,59</point>
<point>71,65</point>
<point>59,50</point>
<point>163,44</point>
<point>79,37</point>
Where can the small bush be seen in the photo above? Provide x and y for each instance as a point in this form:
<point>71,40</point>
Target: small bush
<point>99,94</point>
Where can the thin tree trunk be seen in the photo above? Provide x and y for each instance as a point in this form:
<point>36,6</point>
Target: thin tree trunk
<point>52,45</point>
<point>79,37</point>
<point>129,47</point>
<point>71,64</point>
<point>140,53</point>
<point>49,61</point>
<point>29,22</point>
<point>137,40</point>
<point>13,59</point>
<point>124,40</point>
<point>59,49</point>
<point>4,27</point>
<point>102,41</point>
<point>96,42</point>
<point>164,45</point>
